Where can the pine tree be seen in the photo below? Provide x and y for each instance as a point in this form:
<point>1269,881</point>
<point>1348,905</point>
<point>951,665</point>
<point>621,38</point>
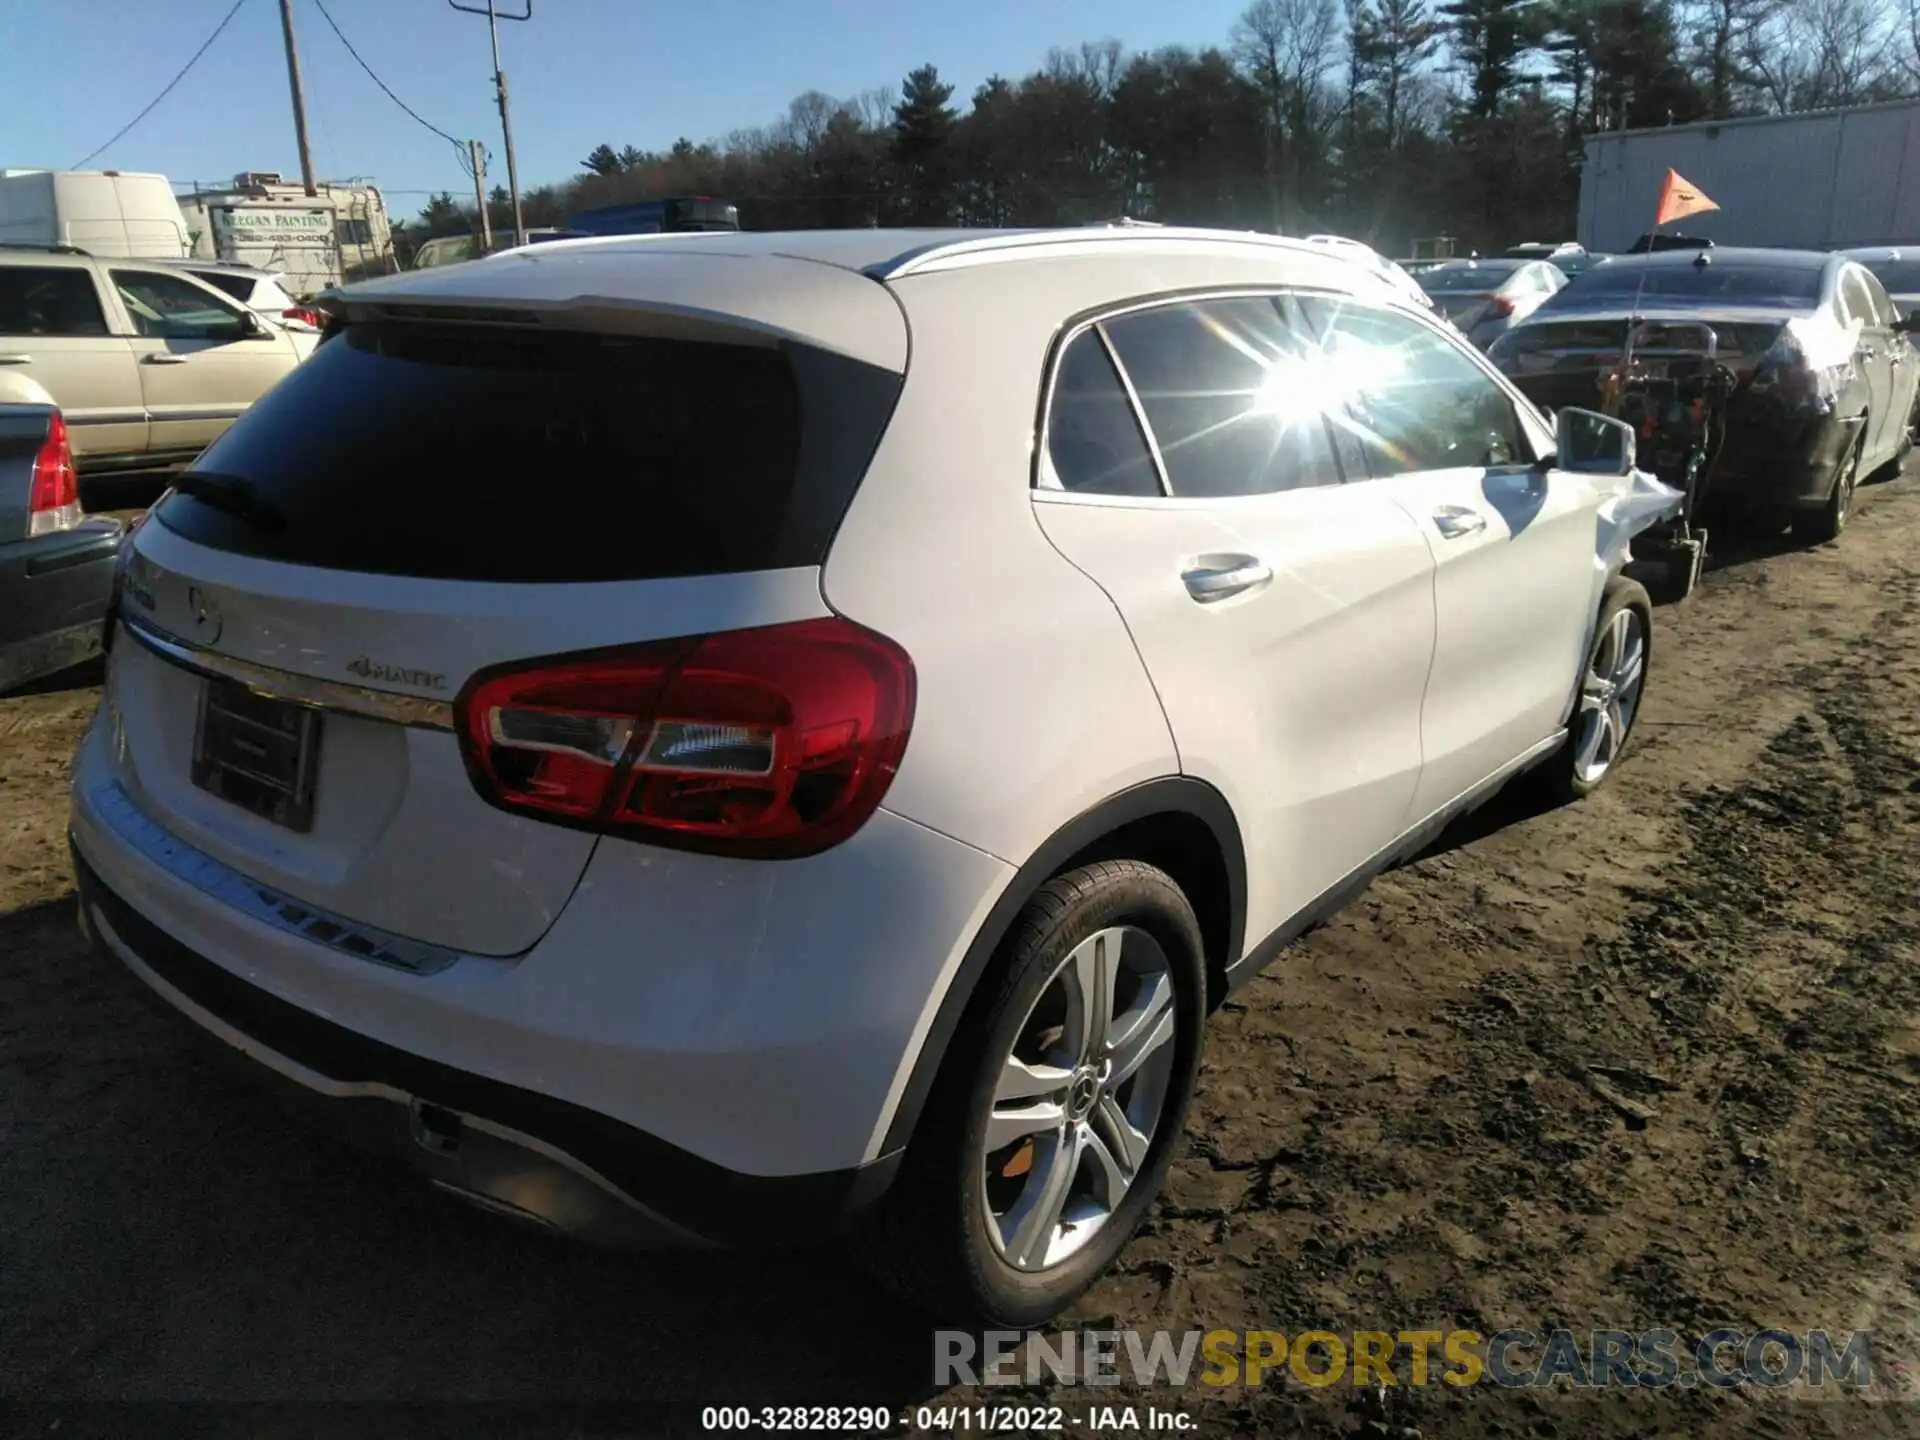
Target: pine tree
<point>1392,40</point>
<point>923,125</point>
<point>1491,38</point>
<point>603,160</point>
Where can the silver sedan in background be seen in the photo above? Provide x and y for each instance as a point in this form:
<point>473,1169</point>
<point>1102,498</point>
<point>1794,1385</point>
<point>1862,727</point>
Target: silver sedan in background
<point>1485,298</point>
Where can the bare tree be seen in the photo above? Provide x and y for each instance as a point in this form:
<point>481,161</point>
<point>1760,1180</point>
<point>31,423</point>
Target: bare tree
<point>873,108</point>
<point>1289,50</point>
<point>807,118</point>
<point>1817,54</point>
<point>1720,35</point>
<point>1097,64</point>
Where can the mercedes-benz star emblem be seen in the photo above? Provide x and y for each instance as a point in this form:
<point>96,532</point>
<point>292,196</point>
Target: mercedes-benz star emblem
<point>206,616</point>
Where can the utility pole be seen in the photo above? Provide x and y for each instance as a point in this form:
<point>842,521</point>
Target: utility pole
<point>494,16</point>
<point>479,154</point>
<point>299,96</point>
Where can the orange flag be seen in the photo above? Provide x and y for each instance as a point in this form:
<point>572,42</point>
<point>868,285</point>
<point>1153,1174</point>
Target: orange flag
<point>1679,198</point>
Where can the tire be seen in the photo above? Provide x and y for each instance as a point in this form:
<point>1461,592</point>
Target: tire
<point>1817,527</point>
<point>1573,773</point>
<point>947,1237</point>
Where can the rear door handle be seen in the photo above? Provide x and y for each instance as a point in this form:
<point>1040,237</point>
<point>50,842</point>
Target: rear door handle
<point>163,359</point>
<point>16,359</point>
<point>1224,576</point>
<point>1456,521</point>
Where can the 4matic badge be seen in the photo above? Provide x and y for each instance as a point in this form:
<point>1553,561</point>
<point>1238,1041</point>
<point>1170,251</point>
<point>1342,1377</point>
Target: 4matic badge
<point>370,669</point>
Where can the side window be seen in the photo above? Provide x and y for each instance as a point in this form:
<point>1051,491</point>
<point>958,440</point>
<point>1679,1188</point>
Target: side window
<point>49,301</point>
<point>166,307</point>
<point>1418,401</point>
<point>1094,442</point>
<point>1232,394</point>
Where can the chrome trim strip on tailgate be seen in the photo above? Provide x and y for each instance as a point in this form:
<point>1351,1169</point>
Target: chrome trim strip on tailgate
<point>116,810</point>
<point>334,695</point>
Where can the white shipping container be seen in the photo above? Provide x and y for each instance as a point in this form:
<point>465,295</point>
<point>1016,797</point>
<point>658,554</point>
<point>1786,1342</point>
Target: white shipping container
<point>105,212</point>
<point>1827,180</point>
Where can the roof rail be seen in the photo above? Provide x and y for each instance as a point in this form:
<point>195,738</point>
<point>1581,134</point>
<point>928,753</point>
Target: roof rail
<point>43,249</point>
<point>949,254</point>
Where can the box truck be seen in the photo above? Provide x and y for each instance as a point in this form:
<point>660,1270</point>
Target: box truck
<point>105,212</point>
<point>339,233</point>
<point>1826,180</point>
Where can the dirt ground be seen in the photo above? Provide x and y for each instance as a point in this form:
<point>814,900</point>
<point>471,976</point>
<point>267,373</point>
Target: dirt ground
<point>1647,1061</point>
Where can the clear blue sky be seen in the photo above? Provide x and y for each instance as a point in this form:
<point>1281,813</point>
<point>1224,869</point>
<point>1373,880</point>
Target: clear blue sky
<point>639,72</point>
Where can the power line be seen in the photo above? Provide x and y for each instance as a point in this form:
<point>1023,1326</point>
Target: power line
<point>459,146</point>
<point>81,164</point>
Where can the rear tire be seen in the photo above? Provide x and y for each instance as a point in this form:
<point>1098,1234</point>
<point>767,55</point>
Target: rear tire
<point>967,1233</point>
<point>1612,685</point>
<point>1818,527</point>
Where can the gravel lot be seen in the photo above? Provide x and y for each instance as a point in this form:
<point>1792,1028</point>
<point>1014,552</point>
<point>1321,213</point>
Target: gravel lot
<point>1401,1126</point>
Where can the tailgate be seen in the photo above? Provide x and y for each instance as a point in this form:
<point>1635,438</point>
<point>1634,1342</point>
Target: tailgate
<point>415,505</point>
<point>398,837</point>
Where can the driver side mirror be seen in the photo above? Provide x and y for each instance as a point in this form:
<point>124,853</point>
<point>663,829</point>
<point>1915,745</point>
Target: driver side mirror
<point>1588,443</point>
<point>253,327</point>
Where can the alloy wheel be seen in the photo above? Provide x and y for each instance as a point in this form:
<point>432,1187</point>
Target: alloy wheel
<point>1609,695</point>
<point>1079,1098</point>
<point>1849,478</point>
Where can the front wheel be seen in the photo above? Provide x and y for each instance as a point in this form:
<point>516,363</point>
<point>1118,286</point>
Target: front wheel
<point>1051,1127</point>
<point>1611,686</point>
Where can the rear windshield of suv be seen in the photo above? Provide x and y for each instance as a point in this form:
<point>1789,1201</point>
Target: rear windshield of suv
<point>1723,282</point>
<point>476,453</point>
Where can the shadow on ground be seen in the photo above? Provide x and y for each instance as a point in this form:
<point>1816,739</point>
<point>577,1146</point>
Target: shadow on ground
<point>224,1252</point>
<point>134,490</point>
<point>74,677</point>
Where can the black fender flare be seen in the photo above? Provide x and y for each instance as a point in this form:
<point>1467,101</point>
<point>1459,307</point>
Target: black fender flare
<point>1173,794</point>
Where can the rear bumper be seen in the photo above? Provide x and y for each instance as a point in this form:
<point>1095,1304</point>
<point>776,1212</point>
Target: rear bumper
<point>698,1048</point>
<point>54,592</point>
<point>508,1149</point>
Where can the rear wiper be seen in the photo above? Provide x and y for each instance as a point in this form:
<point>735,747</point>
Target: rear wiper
<point>233,494</point>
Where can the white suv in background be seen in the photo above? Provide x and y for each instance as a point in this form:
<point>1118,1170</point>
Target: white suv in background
<point>147,363</point>
<point>667,756</point>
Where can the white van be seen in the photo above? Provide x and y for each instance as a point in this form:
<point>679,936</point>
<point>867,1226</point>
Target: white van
<point>104,212</point>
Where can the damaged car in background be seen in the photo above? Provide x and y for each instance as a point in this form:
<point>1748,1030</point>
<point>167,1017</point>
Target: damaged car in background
<point>56,564</point>
<point>1821,370</point>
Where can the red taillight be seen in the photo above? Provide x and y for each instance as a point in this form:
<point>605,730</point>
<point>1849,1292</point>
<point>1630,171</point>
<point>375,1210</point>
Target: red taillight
<point>54,499</point>
<point>306,315</point>
<point>768,743</point>
<point>1499,307</point>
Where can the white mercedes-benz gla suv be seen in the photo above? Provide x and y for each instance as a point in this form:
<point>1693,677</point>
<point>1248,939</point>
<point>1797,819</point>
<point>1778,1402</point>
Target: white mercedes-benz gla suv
<point>751,737</point>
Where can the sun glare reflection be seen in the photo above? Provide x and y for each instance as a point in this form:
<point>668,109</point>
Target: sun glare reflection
<point>1333,381</point>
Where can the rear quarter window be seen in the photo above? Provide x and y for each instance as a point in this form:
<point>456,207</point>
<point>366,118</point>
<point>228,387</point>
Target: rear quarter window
<point>240,287</point>
<point>510,455</point>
